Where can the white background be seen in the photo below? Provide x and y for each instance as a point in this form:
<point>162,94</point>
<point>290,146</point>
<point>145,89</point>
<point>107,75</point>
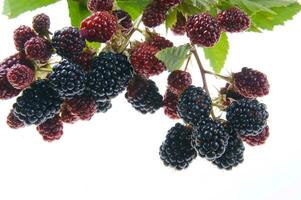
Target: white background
<point>115,156</point>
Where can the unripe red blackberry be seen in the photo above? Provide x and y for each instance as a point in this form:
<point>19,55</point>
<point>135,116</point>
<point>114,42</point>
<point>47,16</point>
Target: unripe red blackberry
<point>124,19</point>
<point>13,122</point>
<point>100,5</point>
<point>258,139</point>
<point>84,59</point>
<point>233,20</point>
<point>99,27</point>
<point>170,103</point>
<point>167,4</point>
<point>52,129</point>
<point>251,83</point>
<point>159,41</point>
<point>20,76</point>
<point>178,81</point>
<point>38,49</point>
<point>179,28</point>
<point>17,58</point>
<point>83,106</point>
<point>68,42</point>
<point>41,24</point>
<point>203,30</point>
<point>67,116</point>
<point>22,35</point>
<point>7,91</point>
<point>153,15</point>
<point>145,62</point>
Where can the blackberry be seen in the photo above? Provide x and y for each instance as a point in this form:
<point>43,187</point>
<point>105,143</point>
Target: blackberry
<point>68,42</point>
<point>144,95</point>
<point>84,59</point>
<point>17,58</point>
<point>233,20</point>
<point>247,117</point>
<point>210,139</point>
<point>99,27</point>
<point>67,116</point>
<point>229,95</point>
<point>233,155</point>
<point>100,5</point>
<point>258,139</point>
<point>203,30</point>
<point>153,15</point>
<point>179,28</point>
<point>52,129</point>
<point>167,4</point>
<point>145,62</point>
<point>68,79</point>
<point>170,103</point>
<point>178,81</point>
<point>13,122</point>
<point>176,151</point>
<point>109,76</point>
<point>251,83</point>
<point>37,103</point>
<point>7,91</point>
<point>103,107</point>
<point>194,105</point>
<point>83,106</point>
<point>41,24</point>
<point>124,20</point>
<point>21,35</point>
<point>159,41</point>
<point>20,76</point>
<point>38,49</point>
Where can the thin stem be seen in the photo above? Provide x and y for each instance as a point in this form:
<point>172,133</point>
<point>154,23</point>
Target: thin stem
<point>133,30</point>
<point>187,63</point>
<point>219,76</point>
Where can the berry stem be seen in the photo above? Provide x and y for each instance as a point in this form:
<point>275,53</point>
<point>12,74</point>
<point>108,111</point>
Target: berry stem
<point>130,34</point>
<point>228,79</point>
<point>187,63</point>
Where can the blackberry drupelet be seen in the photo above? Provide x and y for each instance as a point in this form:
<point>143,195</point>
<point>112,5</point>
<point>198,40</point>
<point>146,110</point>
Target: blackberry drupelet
<point>41,24</point>
<point>233,155</point>
<point>177,151</point>
<point>68,79</point>
<point>21,35</point>
<point>210,139</point>
<point>144,95</point>
<point>233,20</point>
<point>103,107</point>
<point>247,117</point>
<point>251,83</point>
<point>194,105</point>
<point>203,30</point>
<point>68,42</point>
<point>109,76</point>
<point>52,129</point>
<point>37,103</point>
<point>178,81</point>
<point>20,76</point>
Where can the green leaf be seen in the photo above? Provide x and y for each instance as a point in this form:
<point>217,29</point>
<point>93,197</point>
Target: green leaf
<point>93,45</point>
<point>13,8</point>
<point>133,7</point>
<point>77,11</point>
<point>217,55</point>
<point>171,19</point>
<point>174,57</point>
<point>265,20</point>
<point>187,8</point>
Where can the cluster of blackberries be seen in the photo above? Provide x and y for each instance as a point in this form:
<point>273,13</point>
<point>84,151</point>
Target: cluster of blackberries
<point>219,141</point>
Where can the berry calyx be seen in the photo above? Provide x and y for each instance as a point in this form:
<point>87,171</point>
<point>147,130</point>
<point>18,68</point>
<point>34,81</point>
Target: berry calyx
<point>20,76</point>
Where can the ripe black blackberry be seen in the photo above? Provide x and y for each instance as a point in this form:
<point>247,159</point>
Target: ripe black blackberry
<point>179,28</point>
<point>68,79</point>
<point>7,91</point>
<point>100,5</point>
<point>233,155</point>
<point>194,105</point>
<point>177,151</point>
<point>247,116</point>
<point>233,20</point>
<point>21,35</point>
<point>41,24</point>
<point>52,129</point>
<point>203,30</point>
<point>68,42</point>
<point>109,76</point>
<point>144,95</point>
<point>37,103</point>
<point>103,106</point>
<point>38,49</point>
<point>210,139</point>
<point>124,19</point>
<point>153,15</point>
<point>251,83</point>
